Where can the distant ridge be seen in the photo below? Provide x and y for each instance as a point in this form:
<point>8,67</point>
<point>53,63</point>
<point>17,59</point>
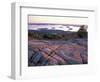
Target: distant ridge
<point>43,31</point>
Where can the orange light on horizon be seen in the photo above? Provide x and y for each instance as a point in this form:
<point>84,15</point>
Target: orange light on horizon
<point>59,20</point>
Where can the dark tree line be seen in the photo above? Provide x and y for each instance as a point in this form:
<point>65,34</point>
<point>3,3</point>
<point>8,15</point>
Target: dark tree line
<point>81,33</point>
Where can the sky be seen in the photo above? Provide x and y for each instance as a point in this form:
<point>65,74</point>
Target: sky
<point>57,20</point>
<point>56,23</point>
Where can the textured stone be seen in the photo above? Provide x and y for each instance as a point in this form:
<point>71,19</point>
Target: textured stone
<point>46,52</point>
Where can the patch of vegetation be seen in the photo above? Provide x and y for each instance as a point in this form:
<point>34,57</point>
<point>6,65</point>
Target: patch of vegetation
<point>65,36</point>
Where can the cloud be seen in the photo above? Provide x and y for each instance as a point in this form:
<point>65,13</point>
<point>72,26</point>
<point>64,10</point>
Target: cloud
<point>54,27</point>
